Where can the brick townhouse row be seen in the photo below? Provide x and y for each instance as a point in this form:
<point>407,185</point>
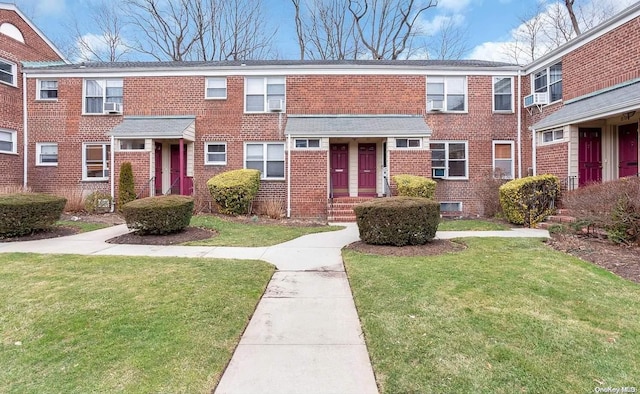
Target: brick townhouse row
<point>319,131</point>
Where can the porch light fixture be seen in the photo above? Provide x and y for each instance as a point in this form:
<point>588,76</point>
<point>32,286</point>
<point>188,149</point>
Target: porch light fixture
<point>628,115</point>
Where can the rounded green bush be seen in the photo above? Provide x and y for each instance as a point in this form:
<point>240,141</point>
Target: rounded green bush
<point>415,186</point>
<point>398,220</point>
<point>25,213</point>
<point>158,215</point>
<point>529,200</point>
<point>233,191</point>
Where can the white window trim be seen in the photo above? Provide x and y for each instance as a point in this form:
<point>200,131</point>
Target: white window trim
<point>206,154</point>
<point>105,162</point>
<point>319,147</point>
<point>14,140</point>
<point>39,146</point>
<point>466,161</point>
<point>206,85</point>
<point>446,93</point>
<point>547,70</point>
<point>39,89</point>
<point>266,100</point>
<point>120,149</point>
<point>493,96</point>
<point>408,139</point>
<point>14,73</point>
<point>555,140</point>
<point>104,95</point>
<point>264,144</point>
<point>493,148</point>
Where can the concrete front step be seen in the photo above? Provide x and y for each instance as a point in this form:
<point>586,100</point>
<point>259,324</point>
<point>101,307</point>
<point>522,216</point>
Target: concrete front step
<point>561,219</point>
<point>340,209</point>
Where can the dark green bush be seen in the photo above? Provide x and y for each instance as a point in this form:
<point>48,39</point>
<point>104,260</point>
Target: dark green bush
<point>25,213</point>
<point>126,189</point>
<point>398,220</point>
<point>158,215</point>
<point>415,186</point>
<point>529,200</point>
<point>235,190</point>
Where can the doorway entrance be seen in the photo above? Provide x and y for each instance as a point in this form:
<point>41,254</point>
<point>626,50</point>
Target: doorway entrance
<point>589,156</point>
<point>628,150</point>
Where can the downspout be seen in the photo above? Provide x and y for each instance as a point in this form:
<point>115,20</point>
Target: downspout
<point>534,161</point>
<point>25,139</point>
<point>182,170</point>
<point>288,176</point>
<point>519,124</point>
<point>111,174</point>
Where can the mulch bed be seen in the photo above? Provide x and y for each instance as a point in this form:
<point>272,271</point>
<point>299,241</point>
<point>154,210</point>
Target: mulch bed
<point>54,232</point>
<point>188,234</point>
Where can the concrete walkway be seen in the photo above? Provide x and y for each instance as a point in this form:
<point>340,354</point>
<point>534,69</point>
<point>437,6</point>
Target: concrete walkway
<point>305,335</point>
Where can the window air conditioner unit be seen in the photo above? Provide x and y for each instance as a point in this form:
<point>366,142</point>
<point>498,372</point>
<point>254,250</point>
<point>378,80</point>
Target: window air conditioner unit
<point>437,173</point>
<point>112,108</point>
<point>275,105</point>
<point>536,99</point>
<point>436,105</point>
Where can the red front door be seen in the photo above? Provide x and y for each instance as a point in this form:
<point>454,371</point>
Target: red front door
<point>628,150</point>
<point>158,174</point>
<point>366,170</point>
<point>175,167</point>
<point>339,170</point>
<point>589,156</point>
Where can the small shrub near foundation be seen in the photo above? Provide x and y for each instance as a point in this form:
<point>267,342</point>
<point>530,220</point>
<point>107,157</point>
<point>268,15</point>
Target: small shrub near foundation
<point>234,191</point>
<point>398,220</point>
<point>158,215</point>
<point>273,208</point>
<point>25,213</point>
<point>98,202</point>
<point>126,190</point>
<point>415,186</point>
<point>529,200</point>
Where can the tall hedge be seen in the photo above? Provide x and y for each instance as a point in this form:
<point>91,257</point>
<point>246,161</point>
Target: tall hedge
<point>25,213</point>
<point>158,215</point>
<point>415,186</point>
<point>126,189</point>
<point>529,200</point>
<point>235,190</point>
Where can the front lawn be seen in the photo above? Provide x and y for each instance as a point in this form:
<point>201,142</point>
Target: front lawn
<point>470,225</point>
<point>87,324</point>
<point>80,226</point>
<point>248,234</point>
<point>502,316</point>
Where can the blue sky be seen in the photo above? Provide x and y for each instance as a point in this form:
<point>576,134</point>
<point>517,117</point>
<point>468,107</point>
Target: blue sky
<point>490,23</point>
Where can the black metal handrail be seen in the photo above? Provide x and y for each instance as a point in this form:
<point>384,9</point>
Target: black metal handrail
<point>569,183</point>
<point>144,188</point>
<point>171,187</point>
<point>387,187</point>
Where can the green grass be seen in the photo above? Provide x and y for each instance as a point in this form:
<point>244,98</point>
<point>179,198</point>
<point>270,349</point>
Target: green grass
<point>502,316</point>
<point>241,234</point>
<point>471,225</point>
<point>82,227</point>
<point>88,324</point>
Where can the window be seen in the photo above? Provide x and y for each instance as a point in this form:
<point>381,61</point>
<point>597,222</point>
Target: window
<point>98,92</point>
<point>449,159</point>
<point>260,91</point>
<point>8,72</point>
<point>95,161</point>
<point>268,158</point>
<point>132,144</point>
<point>450,91</point>
<point>503,159</point>
<point>216,88</point>
<point>46,154</point>
<point>503,94</point>
<point>46,90</point>
<point>408,143</point>
<point>549,80</point>
<point>451,206</point>
<point>552,135</point>
<point>307,143</point>
<point>8,141</point>
<point>215,153</point>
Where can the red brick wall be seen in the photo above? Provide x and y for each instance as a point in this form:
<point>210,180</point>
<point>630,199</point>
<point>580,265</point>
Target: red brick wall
<point>553,159</point>
<point>33,49</point>
<point>140,162</point>
<point>309,183</point>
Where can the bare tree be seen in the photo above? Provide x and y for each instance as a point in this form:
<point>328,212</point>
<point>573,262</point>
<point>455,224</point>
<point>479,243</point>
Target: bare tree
<point>572,16</point>
<point>450,42</point>
<point>386,27</point>
<point>242,31</point>
<point>300,31</point>
<point>527,42</point>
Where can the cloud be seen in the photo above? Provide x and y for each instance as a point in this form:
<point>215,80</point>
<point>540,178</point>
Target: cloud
<point>455,6</point>
<point>492,51</point>
<point>43,8</point>
<point>434,25</point>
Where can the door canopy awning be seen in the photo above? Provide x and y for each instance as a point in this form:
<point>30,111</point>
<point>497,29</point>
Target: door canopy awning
<point>357,126</point>
<point>156,127</point>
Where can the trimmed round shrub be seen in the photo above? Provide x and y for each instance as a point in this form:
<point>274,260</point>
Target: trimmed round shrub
<point>398,220</point>
<point>25,213</point>
<point>234,191</point>
<point>415,186</point>
<point>529,200</point>
<point>158,215</point>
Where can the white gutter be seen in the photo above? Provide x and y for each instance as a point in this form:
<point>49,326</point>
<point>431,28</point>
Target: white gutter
<point>519,125</point>
<point>25,139</point>
<point>534,161</point>
<point>288,176</point>
<point>111,172</point>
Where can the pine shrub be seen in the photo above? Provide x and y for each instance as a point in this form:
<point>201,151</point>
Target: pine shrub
<point>126,190</point>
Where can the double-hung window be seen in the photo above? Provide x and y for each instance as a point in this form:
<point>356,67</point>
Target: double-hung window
<point>95,161</point>
<point>8,72</point>
<point>447,93</point>
<point>503,159</point>
<point>102,93</point>
<point>264,94</point>
<point>8,141</point>
<point>46,89</point>
<point>215,153</point>
<point>46,154</point>
<point>268,158</point>
<point>216,88</point>
<point>503,94</point>
<point>449,159</point>
<point>549,80</point>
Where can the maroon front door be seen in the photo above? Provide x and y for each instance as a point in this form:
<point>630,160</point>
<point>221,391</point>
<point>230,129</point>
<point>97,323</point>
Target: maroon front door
<point>628,150</point>
<point>589,156</point>
<point>339,170</point>
<point>175,167</point>
<point>158,174</point>
<point>366,170</point>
